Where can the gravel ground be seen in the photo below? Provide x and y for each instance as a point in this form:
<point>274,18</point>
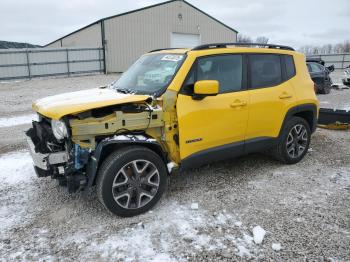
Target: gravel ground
<point>16,99</point>
<point>304,207</point>
<point>338,98</point>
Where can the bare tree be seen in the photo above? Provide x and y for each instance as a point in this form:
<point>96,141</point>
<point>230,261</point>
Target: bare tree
<point>326,49</point>
<point>243,39</point>
<point>338,48</point>
<point>262,40</point>
<point>346,47</point>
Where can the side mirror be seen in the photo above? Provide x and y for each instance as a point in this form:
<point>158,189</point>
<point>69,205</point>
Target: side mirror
<point>205,88</point>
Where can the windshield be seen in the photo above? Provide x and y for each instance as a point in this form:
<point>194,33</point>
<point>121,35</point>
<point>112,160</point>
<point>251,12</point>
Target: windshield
<point>150,74</point>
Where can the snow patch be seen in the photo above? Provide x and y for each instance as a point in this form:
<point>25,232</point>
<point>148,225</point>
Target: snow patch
<point>243,251</point>
<point>238,223</point>
<point>194,206</point>
<point>17,120</point>
<point>276,246</point>
<point>170,166</point>
<point>16,176</point>
<point>258,234</point>
<point>176,234</point>
<point>16,168</point>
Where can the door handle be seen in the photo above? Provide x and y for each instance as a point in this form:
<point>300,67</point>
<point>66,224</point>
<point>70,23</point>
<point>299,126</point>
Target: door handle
<point>285,95</point>
<point>238,103</point>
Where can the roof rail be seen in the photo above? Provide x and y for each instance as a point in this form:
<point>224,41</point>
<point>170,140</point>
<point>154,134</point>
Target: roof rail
<point>161,49</point>
<point>224,45</point>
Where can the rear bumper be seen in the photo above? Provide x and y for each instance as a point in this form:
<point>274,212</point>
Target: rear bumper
<point>44,161</point>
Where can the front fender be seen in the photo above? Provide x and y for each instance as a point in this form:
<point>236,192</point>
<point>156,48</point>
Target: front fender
<point>95,160</point>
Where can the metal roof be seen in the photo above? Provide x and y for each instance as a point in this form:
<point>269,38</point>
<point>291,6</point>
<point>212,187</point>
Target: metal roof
<point>141,9</point>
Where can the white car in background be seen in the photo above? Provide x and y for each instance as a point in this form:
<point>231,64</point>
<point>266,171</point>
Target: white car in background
<point>346,77</point>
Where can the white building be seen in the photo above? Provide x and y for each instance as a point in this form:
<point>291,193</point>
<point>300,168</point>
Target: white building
<point>126,36</point>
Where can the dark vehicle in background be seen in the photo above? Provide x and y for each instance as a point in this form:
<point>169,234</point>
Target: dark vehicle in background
<point>315,60</point>
<point>320,75</point>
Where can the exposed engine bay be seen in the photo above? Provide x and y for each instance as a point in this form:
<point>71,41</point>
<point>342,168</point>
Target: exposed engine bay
<point>65,149</point>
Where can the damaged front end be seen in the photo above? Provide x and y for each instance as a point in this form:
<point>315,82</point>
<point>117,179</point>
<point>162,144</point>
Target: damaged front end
<point>72,148</point>
<point>58,158</point>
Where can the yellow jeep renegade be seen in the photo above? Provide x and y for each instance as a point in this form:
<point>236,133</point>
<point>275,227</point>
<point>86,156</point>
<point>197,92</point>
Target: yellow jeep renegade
<point>175,108</point>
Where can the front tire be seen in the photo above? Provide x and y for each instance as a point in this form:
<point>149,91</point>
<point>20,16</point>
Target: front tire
<point>131,181</point>
<point>294,141</point>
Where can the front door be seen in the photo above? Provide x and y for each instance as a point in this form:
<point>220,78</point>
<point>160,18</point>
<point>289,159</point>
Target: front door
<point>214,127</point>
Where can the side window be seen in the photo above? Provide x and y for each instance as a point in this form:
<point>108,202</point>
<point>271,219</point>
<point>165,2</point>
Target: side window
<point>314,68</point>
<point>226,69</point>
<point>320,68</point>
<point>290,67</point>
<point>265,70</point>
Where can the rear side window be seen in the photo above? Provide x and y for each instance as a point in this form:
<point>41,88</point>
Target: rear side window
<point>290,67</point>
<point>265,70</point>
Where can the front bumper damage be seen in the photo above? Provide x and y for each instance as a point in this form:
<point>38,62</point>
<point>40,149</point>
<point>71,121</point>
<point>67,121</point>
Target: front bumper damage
<point>44,161</point>
<point>54,159</point>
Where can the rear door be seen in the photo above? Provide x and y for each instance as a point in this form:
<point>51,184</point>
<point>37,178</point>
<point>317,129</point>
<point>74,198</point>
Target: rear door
<point>214,127</point>
<point>271,95</point>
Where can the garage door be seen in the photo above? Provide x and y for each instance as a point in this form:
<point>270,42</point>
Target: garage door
<point>184,40</point>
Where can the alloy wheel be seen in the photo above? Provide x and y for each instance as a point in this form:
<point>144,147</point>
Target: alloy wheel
<point>297,141</point>
<point>135,184</point>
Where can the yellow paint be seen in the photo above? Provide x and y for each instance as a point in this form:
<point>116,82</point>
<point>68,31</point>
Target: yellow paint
<point>238,116</point>
<point>215,120</point>
<point>210,122</point>
<point>206,87</point>
<point>58,106</point>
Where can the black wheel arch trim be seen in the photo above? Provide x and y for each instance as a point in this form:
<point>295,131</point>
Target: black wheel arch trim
<point>95,158</point>
<point>300,109</point>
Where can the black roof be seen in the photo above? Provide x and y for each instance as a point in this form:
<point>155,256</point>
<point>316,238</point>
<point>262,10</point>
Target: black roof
<point>140,9</point>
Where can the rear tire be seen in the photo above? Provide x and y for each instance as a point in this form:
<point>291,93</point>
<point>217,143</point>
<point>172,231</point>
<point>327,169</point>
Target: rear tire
<point>326,88</point>
<point>131,181</point>
<point>294,141</point>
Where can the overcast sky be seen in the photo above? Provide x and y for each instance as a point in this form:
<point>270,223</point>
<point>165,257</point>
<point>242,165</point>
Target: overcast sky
<point>289,22</point>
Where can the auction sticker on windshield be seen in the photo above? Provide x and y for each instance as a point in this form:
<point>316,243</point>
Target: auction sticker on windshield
<point>174,58</point>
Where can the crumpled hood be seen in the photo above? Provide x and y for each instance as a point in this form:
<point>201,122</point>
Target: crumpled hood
<point>58,106</point>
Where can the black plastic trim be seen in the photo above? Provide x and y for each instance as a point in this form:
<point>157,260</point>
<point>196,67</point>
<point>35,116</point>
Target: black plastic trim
<point>213,155</point>
<point>330,116</point>
<point>259,144</point>
<point>299,109</point>
<point>94,160</point>
<point>228,151</point>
